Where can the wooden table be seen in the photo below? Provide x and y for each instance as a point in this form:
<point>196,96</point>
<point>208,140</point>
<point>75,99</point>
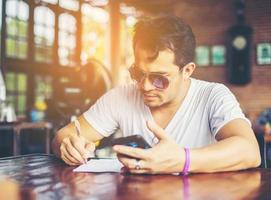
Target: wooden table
<point>45,177</point>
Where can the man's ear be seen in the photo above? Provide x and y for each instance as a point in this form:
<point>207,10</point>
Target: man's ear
<point>188,70</point>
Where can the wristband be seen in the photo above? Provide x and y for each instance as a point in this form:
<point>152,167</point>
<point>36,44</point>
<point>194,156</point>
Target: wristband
<point>187,162</point>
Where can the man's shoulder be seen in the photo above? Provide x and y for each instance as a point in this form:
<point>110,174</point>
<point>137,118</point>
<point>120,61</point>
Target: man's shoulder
<point>125,89</point>
<point>127,92</point>
<point>207,85</point>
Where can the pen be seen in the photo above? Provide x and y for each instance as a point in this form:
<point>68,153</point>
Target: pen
<point>77,127</point>
<point>78,131</point>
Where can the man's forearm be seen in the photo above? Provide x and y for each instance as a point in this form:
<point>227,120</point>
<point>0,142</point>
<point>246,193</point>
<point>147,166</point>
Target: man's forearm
<point>234,153</point>
<point>56,145</point>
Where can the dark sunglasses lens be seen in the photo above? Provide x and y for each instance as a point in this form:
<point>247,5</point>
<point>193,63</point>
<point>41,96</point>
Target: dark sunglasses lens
<point>158,81</point>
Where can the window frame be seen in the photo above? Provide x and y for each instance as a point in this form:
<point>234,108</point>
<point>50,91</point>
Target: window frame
<point>29,65</point>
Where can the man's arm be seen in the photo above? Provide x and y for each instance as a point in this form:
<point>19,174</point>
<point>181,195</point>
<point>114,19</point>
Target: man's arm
<point>73,148</point>
<point>236,149</point>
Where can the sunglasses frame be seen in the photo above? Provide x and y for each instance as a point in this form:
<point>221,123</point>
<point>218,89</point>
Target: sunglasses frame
<point>146,75</point>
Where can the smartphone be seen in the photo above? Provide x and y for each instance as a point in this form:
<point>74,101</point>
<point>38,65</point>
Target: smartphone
<point>132,141</point>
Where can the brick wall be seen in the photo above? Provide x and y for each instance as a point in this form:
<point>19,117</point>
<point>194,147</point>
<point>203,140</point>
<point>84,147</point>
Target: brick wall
<point>210,20</point>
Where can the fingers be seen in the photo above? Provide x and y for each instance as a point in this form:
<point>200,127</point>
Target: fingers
<point>132,170</point>
<point>70,152</point>
<point>157,130</point>
<point>74,152</point>
<point>139,153</point>
<point>67,161</point>
<point>131,163</point>
<point>84,149</point>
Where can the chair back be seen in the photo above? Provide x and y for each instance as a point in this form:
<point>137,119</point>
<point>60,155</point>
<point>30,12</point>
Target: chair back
<point>262,146</point>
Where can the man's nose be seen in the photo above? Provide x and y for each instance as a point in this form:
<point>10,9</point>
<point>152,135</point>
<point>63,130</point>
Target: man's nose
<point>146,85</point>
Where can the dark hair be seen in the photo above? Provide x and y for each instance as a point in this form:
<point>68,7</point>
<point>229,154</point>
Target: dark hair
<point>166,32</point>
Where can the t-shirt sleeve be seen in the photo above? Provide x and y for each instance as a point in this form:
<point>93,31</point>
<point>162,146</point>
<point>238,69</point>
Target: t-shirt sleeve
<point>223,108</point>
<point>103,115</point>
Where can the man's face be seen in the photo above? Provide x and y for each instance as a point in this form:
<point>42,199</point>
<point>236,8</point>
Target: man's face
<point>162,65</point>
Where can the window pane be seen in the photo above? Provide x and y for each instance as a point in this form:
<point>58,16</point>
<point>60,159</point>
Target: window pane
<point>63,25</point>
<point>67,39</point>
<point>43,88</point>
<point>10,81</point>
<point>23,13</point>
<point>10,47</point>
<point>63,38</point>
<point>218,55</point>
<point>50,36</point>
<point>95,23</point>
<point>43,15</point>
<point>11,26</point>
<point>11,100</point>
<point>11,8</point>
<point>22,82</point>
<point>22,49</point>
<point>17,25</point>
<point>44,34</point>
<point>21,104</point>
<point>22,29</point>
<point>69,4</point>
<point>40,54</point>
<point>202,56</point>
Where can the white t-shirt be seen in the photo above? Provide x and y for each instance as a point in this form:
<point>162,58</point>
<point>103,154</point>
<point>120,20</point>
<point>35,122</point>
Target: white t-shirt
<point>206,108</point>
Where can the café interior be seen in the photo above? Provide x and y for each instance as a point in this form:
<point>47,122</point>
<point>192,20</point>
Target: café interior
<point>59,56</point>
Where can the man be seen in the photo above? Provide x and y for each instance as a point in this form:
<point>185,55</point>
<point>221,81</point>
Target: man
<point>193,125</point>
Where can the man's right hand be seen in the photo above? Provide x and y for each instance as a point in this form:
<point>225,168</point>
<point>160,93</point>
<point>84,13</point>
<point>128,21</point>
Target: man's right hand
<point>75,150</point>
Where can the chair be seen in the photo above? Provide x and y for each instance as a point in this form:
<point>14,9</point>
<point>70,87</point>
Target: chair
<point>262,146</point>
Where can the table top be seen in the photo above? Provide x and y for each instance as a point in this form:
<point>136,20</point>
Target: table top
<point>39,176</point>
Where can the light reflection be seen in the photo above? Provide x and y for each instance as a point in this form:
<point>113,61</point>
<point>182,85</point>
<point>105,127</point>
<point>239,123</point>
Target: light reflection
<point>69,4</point>
<point>95,34</point>
<point>131,21</point>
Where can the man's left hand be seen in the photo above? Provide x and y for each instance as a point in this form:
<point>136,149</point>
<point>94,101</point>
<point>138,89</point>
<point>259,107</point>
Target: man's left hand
<point>163,158</point>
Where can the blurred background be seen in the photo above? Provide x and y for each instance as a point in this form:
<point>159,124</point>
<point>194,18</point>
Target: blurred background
<point>59,56</point>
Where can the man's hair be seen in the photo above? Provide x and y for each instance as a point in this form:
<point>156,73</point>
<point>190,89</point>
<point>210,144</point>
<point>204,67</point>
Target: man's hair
<point>166,32</point>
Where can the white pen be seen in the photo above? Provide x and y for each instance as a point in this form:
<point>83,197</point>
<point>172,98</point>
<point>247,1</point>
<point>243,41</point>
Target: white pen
<point>78,131</point>
<point>77,127</point>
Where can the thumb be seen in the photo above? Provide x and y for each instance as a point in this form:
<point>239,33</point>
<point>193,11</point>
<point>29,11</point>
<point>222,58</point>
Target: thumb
<point>158,131</point>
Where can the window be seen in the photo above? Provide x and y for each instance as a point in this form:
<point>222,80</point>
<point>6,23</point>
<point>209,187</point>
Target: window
<point>127,33</point>
<point>218,55</point>
<point>17,29</point>
<point>67,40</point>
<point>95,24</point>
<point>264,53</point>
<point>69,4</point>
<point>16,84</point>
<point>202,55</point>
<point>43,89</point>
<point>44,22</point>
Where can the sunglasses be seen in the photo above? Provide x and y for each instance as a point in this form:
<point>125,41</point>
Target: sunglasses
<point>157,80</point>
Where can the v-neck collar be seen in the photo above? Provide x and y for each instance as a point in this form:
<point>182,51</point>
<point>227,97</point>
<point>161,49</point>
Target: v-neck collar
<point>179,110</point>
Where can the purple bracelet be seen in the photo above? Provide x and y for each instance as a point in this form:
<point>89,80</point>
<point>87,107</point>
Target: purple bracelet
<point>187,162</point>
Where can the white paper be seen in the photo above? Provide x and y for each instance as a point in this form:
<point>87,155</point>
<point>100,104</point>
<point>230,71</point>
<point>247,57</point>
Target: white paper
<point>100,165</point>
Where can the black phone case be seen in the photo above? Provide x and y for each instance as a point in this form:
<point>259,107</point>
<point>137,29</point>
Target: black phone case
<point>132,141</point>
